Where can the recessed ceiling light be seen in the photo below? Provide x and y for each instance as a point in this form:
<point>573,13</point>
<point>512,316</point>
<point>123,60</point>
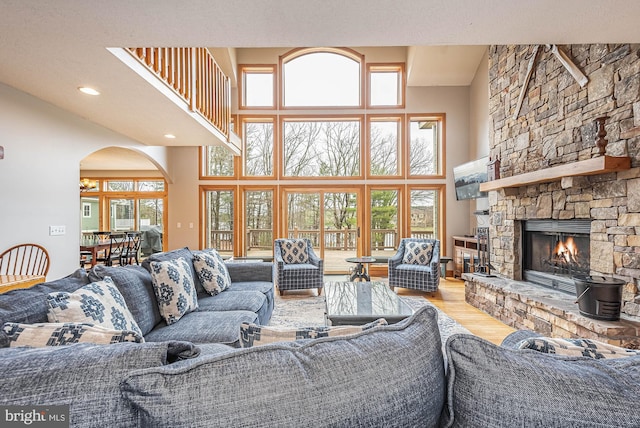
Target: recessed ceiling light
<point>87,90</point>
<point>171,136</point>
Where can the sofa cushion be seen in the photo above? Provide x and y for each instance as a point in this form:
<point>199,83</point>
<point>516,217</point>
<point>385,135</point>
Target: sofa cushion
<point>211,271</point>
<point>184,253</point>
<point>232,301</point>
<point>84,376</point>
<point>391,376</point>
<point>97,303</point>
<point>490,385</point>
<point>30,306</point>
<point>294,251</point>
<point>257,335</point>
<point>59,334</point>
<point>265,288</point>
<point>576,347</point>
<point>174,288</point>
<point>134,282</point>
<point>417,253</point>
<point>204,327</point>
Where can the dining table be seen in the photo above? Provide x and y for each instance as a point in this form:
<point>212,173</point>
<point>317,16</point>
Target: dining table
<point>94,247</point>
<point>12,282</point>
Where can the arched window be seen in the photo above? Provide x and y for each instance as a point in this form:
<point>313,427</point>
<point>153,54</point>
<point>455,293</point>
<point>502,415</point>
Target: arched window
<point>321,78</point>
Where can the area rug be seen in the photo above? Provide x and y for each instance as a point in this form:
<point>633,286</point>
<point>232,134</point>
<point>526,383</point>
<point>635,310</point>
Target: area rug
<point>305,310</point>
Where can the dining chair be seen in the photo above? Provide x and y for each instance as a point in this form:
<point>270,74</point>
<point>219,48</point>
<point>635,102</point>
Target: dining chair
<point>117,246</point>
<point>24,259</point>
<point>132,248</point>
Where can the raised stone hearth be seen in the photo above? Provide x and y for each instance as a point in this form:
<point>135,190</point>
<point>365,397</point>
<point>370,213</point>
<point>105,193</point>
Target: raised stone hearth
<point>524,305</point>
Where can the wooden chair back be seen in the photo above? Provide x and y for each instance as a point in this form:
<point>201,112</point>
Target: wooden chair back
<point>24,259</point>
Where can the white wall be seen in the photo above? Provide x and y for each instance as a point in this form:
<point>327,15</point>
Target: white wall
<point>40,171</point>
<point>479,130</point>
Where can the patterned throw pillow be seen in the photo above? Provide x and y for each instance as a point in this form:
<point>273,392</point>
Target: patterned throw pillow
<point>256,335</point>
<point>99,303</point>
<point>294,251</point>
<point>174,288</point>
<point>576,348</point>
<point>417,253</point>
<point>212,271</point>
<point>58,334</point>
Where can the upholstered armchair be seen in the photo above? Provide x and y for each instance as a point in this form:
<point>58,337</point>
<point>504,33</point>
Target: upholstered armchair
<point>296,266</point>
<point>416,265</point>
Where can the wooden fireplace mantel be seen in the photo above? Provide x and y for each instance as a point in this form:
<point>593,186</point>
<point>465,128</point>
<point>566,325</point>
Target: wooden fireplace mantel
<point>593,166</point>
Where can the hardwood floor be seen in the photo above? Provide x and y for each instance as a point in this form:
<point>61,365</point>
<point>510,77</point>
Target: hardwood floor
<point>450,299</point>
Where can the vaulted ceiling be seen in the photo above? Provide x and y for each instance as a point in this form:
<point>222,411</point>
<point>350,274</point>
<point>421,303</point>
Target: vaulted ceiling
<point>48,49</point>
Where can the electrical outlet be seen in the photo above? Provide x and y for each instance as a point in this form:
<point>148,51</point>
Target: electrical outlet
<point>57,230</point>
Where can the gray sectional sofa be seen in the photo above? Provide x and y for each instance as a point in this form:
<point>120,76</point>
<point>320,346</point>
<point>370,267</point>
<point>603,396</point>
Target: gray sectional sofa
<point>385,376</point>
<point>249,299</point>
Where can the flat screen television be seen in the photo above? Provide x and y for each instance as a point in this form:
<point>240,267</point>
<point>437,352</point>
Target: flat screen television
<point>467,178</point>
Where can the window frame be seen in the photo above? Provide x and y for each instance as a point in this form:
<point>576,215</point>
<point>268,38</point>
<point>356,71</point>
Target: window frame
<point>243,70</point>
<point>390,67</point>
<point>275,167</point>
<point>440,221</point>
<point>320,118</point>
<point>440,146</point>
<point>299,52</point>
<point>399,148</point>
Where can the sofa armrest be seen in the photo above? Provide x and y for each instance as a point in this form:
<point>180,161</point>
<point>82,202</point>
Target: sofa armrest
<point>518,336</point>
<point>251,271</point>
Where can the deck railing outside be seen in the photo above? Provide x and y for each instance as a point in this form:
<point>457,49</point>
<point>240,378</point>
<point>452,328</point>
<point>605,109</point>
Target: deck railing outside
<point>195,76</point>
<point>334,239</point>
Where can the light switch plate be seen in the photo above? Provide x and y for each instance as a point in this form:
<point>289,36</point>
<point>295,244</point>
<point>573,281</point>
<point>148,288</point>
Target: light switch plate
<point>57,230</point>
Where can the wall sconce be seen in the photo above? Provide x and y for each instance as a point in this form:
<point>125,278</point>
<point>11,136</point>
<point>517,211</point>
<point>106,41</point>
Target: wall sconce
<point>1,152</point>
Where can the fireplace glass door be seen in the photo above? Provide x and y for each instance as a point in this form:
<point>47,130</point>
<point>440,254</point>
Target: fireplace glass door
<point>555,251</point>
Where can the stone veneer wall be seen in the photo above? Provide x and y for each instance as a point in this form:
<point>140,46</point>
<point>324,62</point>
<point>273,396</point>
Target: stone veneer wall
<point>555,127</point>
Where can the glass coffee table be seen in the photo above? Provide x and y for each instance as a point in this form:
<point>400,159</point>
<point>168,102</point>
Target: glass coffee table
<point>357,303</point>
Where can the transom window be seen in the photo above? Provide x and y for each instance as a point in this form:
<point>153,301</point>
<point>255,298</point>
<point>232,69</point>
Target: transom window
<point>257,89</point>
<point>321,79</point>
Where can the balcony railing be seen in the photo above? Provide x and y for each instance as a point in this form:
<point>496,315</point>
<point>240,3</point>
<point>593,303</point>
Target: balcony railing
<point>194,75</point>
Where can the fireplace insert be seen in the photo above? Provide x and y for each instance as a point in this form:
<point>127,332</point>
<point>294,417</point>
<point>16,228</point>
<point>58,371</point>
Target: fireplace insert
<point>556,250</point>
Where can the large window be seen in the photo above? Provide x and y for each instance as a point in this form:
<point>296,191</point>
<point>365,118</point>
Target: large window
<point>333,155</point>
<point>321,148</point>
<point>321,79</point>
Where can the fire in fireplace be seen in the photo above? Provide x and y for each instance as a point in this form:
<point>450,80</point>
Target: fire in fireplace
<point>556,250</point>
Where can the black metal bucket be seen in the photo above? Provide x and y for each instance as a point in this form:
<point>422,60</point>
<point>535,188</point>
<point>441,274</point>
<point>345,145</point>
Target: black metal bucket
<point>599,297</point>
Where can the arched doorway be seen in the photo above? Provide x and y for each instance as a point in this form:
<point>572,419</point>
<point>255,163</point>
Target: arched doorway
<point>123,190</point>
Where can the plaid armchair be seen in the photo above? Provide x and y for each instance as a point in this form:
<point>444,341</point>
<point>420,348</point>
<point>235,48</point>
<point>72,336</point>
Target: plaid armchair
<point>296,266</point>
<point>411,266</point>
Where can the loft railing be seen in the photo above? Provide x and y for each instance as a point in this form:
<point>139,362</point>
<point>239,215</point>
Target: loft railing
<point>194,75</point>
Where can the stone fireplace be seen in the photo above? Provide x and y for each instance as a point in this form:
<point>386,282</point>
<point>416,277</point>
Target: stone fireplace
<point>556,127</point>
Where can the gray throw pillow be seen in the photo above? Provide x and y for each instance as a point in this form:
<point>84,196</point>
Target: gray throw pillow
<point>494,386</point>
<point>388,376</point>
